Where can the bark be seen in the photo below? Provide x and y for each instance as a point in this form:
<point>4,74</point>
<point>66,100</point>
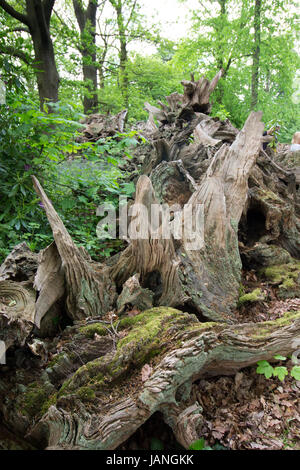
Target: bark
<point>256,54</point>
<point>99,126</point>
<point>123,51</point>
<point>112,411</point>
<point>89,290</point>
<point>39,15</point>
<point>37,18</point>
<point>213,289</point>
<point>86,19</point>
<point>127,351</point>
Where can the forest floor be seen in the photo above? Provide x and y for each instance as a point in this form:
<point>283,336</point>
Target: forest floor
<point>245,411</point>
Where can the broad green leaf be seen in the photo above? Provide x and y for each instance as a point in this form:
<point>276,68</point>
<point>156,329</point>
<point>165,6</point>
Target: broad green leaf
<point>280,358</point>
<point>280,372</point>
<point>265,369</point>
<point>295,372</point>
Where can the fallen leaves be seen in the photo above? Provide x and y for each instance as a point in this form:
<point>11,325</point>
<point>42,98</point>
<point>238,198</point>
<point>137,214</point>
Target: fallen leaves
<point>248,411</point>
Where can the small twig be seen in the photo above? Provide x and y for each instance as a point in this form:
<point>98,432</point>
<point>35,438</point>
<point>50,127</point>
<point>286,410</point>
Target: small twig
<point>275,164</point>
<point>112,330</point>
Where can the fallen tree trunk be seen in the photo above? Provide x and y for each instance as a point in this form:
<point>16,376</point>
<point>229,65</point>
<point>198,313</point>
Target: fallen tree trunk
<point>93,384</point>
<point>106,394</point>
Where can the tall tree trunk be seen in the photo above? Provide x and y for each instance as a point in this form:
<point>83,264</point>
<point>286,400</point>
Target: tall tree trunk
<point>101,67</point>
<point>124,82</point>
<point>256,54</point>
<point>220,49</point>
<point>37,19</point>
<point>86,19</point>
<point>45,67</point>
<point>123,53</point>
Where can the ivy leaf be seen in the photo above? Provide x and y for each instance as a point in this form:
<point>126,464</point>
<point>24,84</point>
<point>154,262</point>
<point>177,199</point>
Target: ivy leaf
<point>280,358</point>
<point>265,369</point>
<point>280,372</point>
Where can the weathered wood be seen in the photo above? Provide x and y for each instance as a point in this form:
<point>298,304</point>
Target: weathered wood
<point>17,310</point>
<point>20,265</point>
<point>105,422</point>
<point>212,289</point>
<point>98,126</point>
<point>201,137</point>
<point>90,292</point>
<point>197,94</point>
<point>134,295</point>
<point>49,282</point>
<point>99,381</point>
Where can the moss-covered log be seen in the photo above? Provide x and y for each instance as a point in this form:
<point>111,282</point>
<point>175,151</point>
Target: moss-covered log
<point>93,395</point>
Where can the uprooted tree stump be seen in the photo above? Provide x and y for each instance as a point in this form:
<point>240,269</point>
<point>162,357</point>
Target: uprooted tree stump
<point>92,384</point>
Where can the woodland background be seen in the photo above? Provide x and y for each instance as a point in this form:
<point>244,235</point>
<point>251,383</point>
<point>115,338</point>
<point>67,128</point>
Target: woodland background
<point>103,57</point>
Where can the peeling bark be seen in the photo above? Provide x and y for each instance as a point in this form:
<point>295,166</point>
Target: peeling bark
<point>90,292</point>
<point>105,422</point>
<point>86,387</point>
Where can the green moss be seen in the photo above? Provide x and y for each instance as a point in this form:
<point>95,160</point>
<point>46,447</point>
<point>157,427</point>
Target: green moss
<point>266,328</point>
<point>287,276</point>
<point>282,273</point>
<point>201,326</point>
<point>267,195</point>
<point>51,401</point>
<point>254,296</point>
<point>90,330</point>
<point>64,387</point>
<point>241,290</point>
<point>33,400</point>
<point>148,336</point>
<point>55,360</point>
<point>288,284</point>
<point>85,394</point>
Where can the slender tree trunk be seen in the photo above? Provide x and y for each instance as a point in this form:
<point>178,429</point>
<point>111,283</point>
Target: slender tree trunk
<point>123,54</point>
<point>220,52</point>
<point>39,14</point>
<point>90,101</point>
<point>86,19</point>
<point>101,67</point>
<point>256,54</point>
<point>45,68</point>
<point>37,19</point>
<point>124,82</point>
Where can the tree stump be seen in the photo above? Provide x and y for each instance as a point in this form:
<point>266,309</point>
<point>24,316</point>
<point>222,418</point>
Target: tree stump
<point>106,373</point>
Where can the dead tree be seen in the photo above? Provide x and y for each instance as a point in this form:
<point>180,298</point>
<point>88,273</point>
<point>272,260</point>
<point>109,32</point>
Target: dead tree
<point>96,383</point>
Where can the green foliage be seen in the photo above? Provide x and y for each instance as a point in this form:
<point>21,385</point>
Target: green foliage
<point>266,369</point>
<point>295,372</point>
<point>225,39</point>
<point>199,445</point>
<point>78,177</point>
<point>220,112</point>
